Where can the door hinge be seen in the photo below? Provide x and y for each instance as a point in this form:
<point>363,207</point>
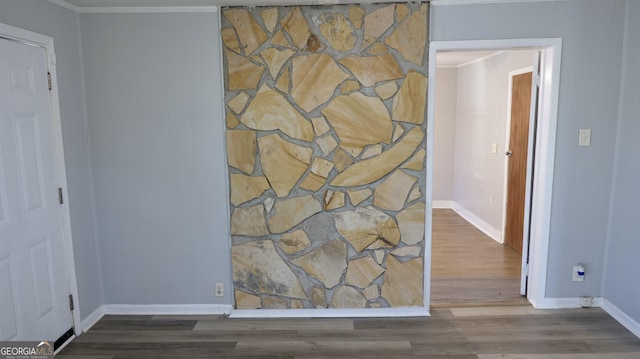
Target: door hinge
<point>538,80</point>
<point>60,197</point>
<point>526,269</point>
<point>71,306</point>
<point>49,80</point>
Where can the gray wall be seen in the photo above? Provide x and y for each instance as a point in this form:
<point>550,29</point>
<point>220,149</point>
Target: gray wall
<point>157,143</point>
<point>621,284</point>
<point>61,24</point>
<point>589,89</point>
<point>444,129</point>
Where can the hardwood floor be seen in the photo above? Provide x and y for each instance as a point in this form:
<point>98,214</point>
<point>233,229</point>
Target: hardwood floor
<point>454,333</point>
<point>468,267</point>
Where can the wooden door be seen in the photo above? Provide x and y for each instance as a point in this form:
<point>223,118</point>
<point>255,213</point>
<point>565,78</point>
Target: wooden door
<point>517,164</point>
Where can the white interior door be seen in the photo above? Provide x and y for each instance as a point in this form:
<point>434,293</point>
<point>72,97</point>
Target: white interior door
<point>34,283</point>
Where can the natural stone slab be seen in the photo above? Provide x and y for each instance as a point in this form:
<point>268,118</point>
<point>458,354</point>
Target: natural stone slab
<point>371,69</point>
<point>387,90</point>
<point>397,132</point>
<point>357,196</point>
<point>342,160</point>
<point>336,29</point>
<point>415,194</point>
<point>275,58</point>
<point>359,121</point>
<point>321,167</point>
<point>313,182</point>
<point>416,162</point>
<point>333,200</point>
<point>271,111</point>
<point>258,267</point>
<point>348,297</point>
<point>297,304</point>
<point>295,24</point>
<point>392,193</point>
<point>327,144</point>
<point>231,120</point>
<point>318,297</point>
<point>356,14</point>
<point>249,221</point>
<point>246,300</point>
<point>294,242</point>
<point>372,169</point>
<point>363,226</point>
<point>238,103</point>
<point>280,40</point>
<point>380,244</point>
<point>283,81</point>
<point>268,204</point>
<point>371,151</point>
<point>283,162</point>
<point>402,10</point>
<point>408,251</point>
<point>249,31</point>
<point>245,188</point>
<point>362,271</point>
<point>230,39</point>
<point>349,86</point>
<point>410,37</point>
<point>314,80</point>
<point>410,101</point>
<point>411,223</point>
<point>320,126</point>
<point>241,150</point>
<point>377,49</point>
<point>290,212</point>
<point>274,303</point>
<point>371,292</point>
<point>403,283</point>
<point>242,73</point>
<point>376,23</point>
<point>326,263</point>
<point>270,18</point>
<point>374,305</point>
<point>379,255</point>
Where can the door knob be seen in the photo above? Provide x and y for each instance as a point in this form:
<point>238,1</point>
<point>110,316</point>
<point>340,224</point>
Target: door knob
<point>508,153</point>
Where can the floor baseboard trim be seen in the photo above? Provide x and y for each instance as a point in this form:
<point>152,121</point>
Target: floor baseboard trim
<point>622,317</point>
<point>566,303</point>
<point>442,204</point>
<point>477,222</point>
<point>331,313</point>
<point>92,319</point>
<point>167,309</point>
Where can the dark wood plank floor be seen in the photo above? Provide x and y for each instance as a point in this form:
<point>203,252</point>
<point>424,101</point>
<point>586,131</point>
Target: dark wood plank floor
<point>468,267</point>
<point>455,333</point>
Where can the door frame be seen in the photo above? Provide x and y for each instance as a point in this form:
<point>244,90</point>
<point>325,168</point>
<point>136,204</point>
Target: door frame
<point>46,42</point>
<point>551,50</point>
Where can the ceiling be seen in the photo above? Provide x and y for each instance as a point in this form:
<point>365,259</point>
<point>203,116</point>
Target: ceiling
<point>459,58</point>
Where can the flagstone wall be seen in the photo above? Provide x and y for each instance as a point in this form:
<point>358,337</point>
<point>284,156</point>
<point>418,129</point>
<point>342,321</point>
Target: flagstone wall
<point>325,112</point>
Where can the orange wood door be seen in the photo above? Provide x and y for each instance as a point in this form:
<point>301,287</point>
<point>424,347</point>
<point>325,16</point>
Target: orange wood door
<point>517,167</point>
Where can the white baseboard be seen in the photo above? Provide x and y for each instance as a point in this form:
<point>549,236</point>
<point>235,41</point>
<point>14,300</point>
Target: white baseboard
<point>442,204</point>
<point>566,303</point>
<point>168,309</point>
<point>331,313</point>
<point>479,223</point>
<point>92,319</point>
<point>632,325</point>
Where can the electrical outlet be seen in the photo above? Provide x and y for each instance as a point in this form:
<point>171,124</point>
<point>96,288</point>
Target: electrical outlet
<point>219,289</point>
<point>491,199</point>
<point>578,273</point>
<point>584,137</point>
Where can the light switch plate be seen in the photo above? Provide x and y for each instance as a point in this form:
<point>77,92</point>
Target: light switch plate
<point>494,148</point>
<point>584,137</point>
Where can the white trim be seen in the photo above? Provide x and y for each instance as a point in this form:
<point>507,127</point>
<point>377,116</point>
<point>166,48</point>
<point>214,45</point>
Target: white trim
<point>478,222</point>
<point>149,9</point>
<point>167,309</point>
<point>332,313</point>
<point>482,2</point>
<point>67,342</point>
<point>442,204</point>
<point>91,319</point>
<point>65,4</point>
<point>623,318</point>
<point>567,303</point>
<point>47,43</point>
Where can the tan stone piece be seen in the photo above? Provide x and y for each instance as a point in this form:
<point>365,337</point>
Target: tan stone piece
<point>297,304</point>
<point>363,226</point>
<point>249,221</point>
<point>280,40</point>
<point>380,244</point>
<point>231,120</point>
<point>230,39</point>
<point>268,204</point>
<point>313,182</point>
<point>376,23</point>
<point>318,297</point>
<point>321,167</point>
<point>294,242</point>
<point>357,196</point>
<point>415,194</point>
<point>407,251</point>
<point>416,162</point>
<point>397,132</point>
<point>348,297</point>
<point>246,300</point>
<point>271,111</point>
<point>392,193</point>
<point>283,162</point>
<point>238,103</point>
<point>372,69</point>
<point>387,90</point>
<point>374,305</point>
<point>283,81</point>
<point>403,283</point>
<point>362,271</point>
<point>270,18</point>
<point>371,151</point>
<point>297,28</point>
<point>411,223</point>
<point>349,86</point>
<point>325,263</point>
<point>333,200</point>
<point>320,126</point>
<point>402,10</point>
<point>314,79</point>
<point>372,169</point>
<point>257,59</point>
<point>274,303</point>
<point>379,255</point>
<point>377,49</point>
<point>371,292</point>
<point>336,29</point>
<point>241,150</point>
<point>342,160</point>
<point>249,31</point>
<point>409,104</point>
<point>243,74</point>
<point>410,37</point>
<point>290,212</point>
<point>359,121</point>
<point>356,14</point>
<point>274,59</point>
<point>245,188</point>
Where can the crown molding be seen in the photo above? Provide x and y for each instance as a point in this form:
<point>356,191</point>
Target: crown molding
<point>132,9</point>
<point>65,5</point>
<point>482,2</point>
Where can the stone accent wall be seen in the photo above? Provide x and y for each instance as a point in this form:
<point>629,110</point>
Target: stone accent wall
<point>325,113</point>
